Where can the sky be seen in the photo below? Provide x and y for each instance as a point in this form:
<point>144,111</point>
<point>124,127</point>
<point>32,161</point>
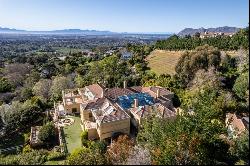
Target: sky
<point>123,15</point>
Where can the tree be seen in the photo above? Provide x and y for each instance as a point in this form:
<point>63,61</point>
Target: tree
<point>240,148</point>
<point>20,116</point>
<point>84,138</point>
<point>16,73</point>
<point>25,93</point>
<point>241,86</point>
<point>139,156</point>
<point>238,40</point>
<point>86,156</point>
<point>59,84</point>
<point>42,88</point>
<point>47,133</point>
<point>34,157</point>
<point>5,86</point>
<point>120,150</point>
<point>108,71</point>
<point>190,138</point>
<point>203,57</point>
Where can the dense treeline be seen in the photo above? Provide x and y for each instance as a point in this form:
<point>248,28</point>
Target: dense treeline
<point>112,71</point>
<point>238,40</point>
<point>207,85</point>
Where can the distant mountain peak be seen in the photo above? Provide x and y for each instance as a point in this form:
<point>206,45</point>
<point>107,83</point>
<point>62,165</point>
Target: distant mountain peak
<point>10,30</point>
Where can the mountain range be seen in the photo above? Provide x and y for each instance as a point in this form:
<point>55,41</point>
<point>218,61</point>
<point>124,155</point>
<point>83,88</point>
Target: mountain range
<point>186,31</point>
<point>224,29</point>
<point>76,32</point>
<point>64,31</point>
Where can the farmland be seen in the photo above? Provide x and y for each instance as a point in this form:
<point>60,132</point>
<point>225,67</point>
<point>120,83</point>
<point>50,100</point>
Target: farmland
<point>163,62</point>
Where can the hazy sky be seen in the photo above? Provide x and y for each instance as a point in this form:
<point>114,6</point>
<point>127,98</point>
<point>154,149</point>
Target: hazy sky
<point>123,15</point>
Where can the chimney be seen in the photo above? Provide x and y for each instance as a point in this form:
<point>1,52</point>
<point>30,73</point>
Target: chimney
<point>102,94</point>
<point>62,93</point>
<point>125,84</point>
<point>158,93</point>
<point>136,103</point>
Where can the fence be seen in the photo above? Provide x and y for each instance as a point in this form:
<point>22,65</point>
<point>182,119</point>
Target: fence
<point>10,148</point>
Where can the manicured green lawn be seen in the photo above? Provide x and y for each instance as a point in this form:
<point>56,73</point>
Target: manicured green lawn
<point>72,135</point>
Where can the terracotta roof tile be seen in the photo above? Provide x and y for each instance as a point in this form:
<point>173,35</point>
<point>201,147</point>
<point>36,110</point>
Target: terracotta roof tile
<point>96,89</point>
<point>236,122</point>
<point>114,93</point>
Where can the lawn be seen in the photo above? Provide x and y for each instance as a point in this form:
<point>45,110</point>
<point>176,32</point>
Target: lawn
<point>72,135</point>
<point>163,62</point>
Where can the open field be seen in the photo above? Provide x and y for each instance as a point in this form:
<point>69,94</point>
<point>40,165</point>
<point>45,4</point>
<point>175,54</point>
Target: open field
<point>65,50</point>
<point>73,135</point>
<point>163,62</point>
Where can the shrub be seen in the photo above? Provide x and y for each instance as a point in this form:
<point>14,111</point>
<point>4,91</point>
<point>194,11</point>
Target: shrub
<point>47,133</point>
<point>55,156</point>
<point>5,86</point>
<point>9,160</point>
<point>26,137</point>
<point>86,156</point>
<point>27,149</point>
<point>84,138</point>
<point>241,85</point>
<point>84,134</point>
<point>32,158</point>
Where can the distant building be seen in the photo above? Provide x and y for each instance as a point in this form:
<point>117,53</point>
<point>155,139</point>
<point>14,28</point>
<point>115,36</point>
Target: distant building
<point>236,125</point>
<point>214,34</point>
<point>88,53</point>
<point>125,54</point>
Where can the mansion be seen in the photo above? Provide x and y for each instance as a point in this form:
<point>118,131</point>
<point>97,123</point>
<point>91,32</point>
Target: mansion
<point>106,111</point>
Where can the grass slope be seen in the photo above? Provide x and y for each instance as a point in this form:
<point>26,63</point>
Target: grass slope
<point>163,62</point>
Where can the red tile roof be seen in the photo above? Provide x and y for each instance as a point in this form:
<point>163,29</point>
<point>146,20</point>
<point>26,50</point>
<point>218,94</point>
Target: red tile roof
<point>236,122</point>
<point>96,89</point>
<point>162,111</point>
<point>114,93</point>
<point>105,117</point>
<point>152,90</point>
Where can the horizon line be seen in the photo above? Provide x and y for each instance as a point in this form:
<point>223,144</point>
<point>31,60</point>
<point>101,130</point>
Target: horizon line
<point>51,30</point>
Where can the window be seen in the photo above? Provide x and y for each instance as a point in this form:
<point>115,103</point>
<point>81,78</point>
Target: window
<point>74,110</point>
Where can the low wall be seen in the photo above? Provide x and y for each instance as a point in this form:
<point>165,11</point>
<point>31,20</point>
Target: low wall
<point>62,140</point>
